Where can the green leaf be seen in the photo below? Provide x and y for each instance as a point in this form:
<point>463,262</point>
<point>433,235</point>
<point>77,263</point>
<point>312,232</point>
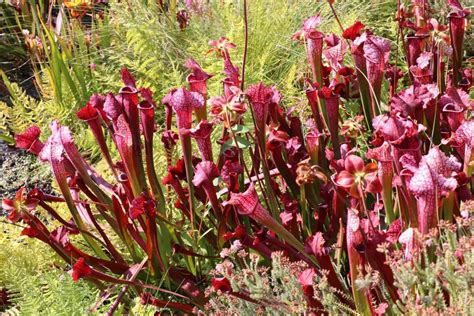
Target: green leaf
<point>9,140</point>
<point>242,143</point>
<point>241,129</point>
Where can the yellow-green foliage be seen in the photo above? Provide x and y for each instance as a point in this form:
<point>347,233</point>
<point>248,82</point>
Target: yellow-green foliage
<point>155,49</point>
<point>63,74</point>
<point>152,46</point>
<point>36,279</point>
<point>24,111</point>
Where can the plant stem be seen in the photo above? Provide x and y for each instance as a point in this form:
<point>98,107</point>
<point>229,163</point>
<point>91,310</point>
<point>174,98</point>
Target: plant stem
<point>335,15</point>
<point>246,36</point>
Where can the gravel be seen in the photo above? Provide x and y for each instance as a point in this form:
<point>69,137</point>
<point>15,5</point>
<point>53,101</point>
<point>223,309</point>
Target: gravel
<point>21,169</point>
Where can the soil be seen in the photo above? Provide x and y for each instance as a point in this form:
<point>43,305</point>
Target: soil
<point>21,169</point>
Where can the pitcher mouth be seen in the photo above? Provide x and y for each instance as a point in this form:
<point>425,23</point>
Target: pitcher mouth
<point>128,90</point>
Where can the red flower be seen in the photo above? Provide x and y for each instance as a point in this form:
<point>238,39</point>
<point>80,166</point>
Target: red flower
<point>182,18</point>
<point>169,139</point>
<point>80,270</point>
<point>22,203</point>
<point>239,233</point>
<point>353,31</point>
<point>87,113</point>
<point>142,205</point>
<point>30,232</point>
<point>221,46</point>
<point>276,139</point>
<point>222,43</point>
<point>357,176</point>
<point>229,173</point>
<point>221,284</point>
<point>228,110</point>
<point>205,173</point>
<point>29,140</point>
<point>60,235</point>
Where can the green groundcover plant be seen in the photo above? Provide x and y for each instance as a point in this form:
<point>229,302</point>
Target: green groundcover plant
<point>281,192</point>
<point>31,285</point>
